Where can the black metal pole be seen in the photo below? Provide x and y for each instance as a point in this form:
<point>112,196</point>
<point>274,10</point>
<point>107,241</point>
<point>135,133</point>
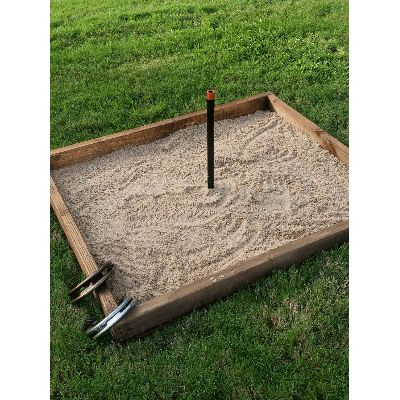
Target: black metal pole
<point>210,137</point>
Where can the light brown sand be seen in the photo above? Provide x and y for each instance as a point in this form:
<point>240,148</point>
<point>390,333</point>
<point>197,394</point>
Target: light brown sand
<point>148,209</point>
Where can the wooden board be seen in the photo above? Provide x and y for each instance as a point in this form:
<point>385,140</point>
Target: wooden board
<point>150,314</point>
<point>79,247</point>
<point>327,141</point>
<point>212,287</point>
<point>90,149</point>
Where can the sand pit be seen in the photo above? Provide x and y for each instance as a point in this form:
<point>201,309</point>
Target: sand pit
<point>148,209</point>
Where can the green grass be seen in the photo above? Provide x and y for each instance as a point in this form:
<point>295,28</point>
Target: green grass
<point>118,65</point>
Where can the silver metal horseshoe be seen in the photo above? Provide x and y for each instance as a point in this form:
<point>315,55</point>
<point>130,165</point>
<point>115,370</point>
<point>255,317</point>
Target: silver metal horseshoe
<point>96,328</point>
<point>111,322</point>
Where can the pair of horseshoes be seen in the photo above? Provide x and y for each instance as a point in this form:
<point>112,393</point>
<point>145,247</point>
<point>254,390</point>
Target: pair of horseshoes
<point>92,283</point>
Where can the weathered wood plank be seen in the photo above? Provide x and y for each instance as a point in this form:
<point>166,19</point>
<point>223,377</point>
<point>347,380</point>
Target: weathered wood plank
<point>79,247</point>
<point>166,307</point>
<point>90,149</point>
<point>327,141</point>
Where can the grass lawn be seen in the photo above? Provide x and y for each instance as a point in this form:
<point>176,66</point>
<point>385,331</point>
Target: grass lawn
<point>119,65</point>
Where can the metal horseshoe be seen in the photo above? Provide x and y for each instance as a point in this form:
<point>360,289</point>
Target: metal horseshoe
<point>112,318</point>
<point>108,266</point>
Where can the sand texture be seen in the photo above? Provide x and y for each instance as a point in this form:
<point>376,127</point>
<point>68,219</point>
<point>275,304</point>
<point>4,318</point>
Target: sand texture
<point>147,208</point>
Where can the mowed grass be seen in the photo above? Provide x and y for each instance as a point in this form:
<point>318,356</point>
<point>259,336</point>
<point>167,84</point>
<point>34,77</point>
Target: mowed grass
<point>118,65</point>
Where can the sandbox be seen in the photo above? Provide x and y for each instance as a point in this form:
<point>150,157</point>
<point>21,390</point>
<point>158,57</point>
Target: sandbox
<point>280,195</point>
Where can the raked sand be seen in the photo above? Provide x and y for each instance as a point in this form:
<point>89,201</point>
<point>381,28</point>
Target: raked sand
<point>147,208</point>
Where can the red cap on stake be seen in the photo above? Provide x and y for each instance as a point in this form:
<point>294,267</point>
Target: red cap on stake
<point>210,94</point>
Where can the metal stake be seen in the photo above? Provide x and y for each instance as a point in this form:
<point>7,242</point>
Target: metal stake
<point>210,137</point>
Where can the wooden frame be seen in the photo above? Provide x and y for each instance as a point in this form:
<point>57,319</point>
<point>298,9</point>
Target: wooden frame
<point>162,309</point>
